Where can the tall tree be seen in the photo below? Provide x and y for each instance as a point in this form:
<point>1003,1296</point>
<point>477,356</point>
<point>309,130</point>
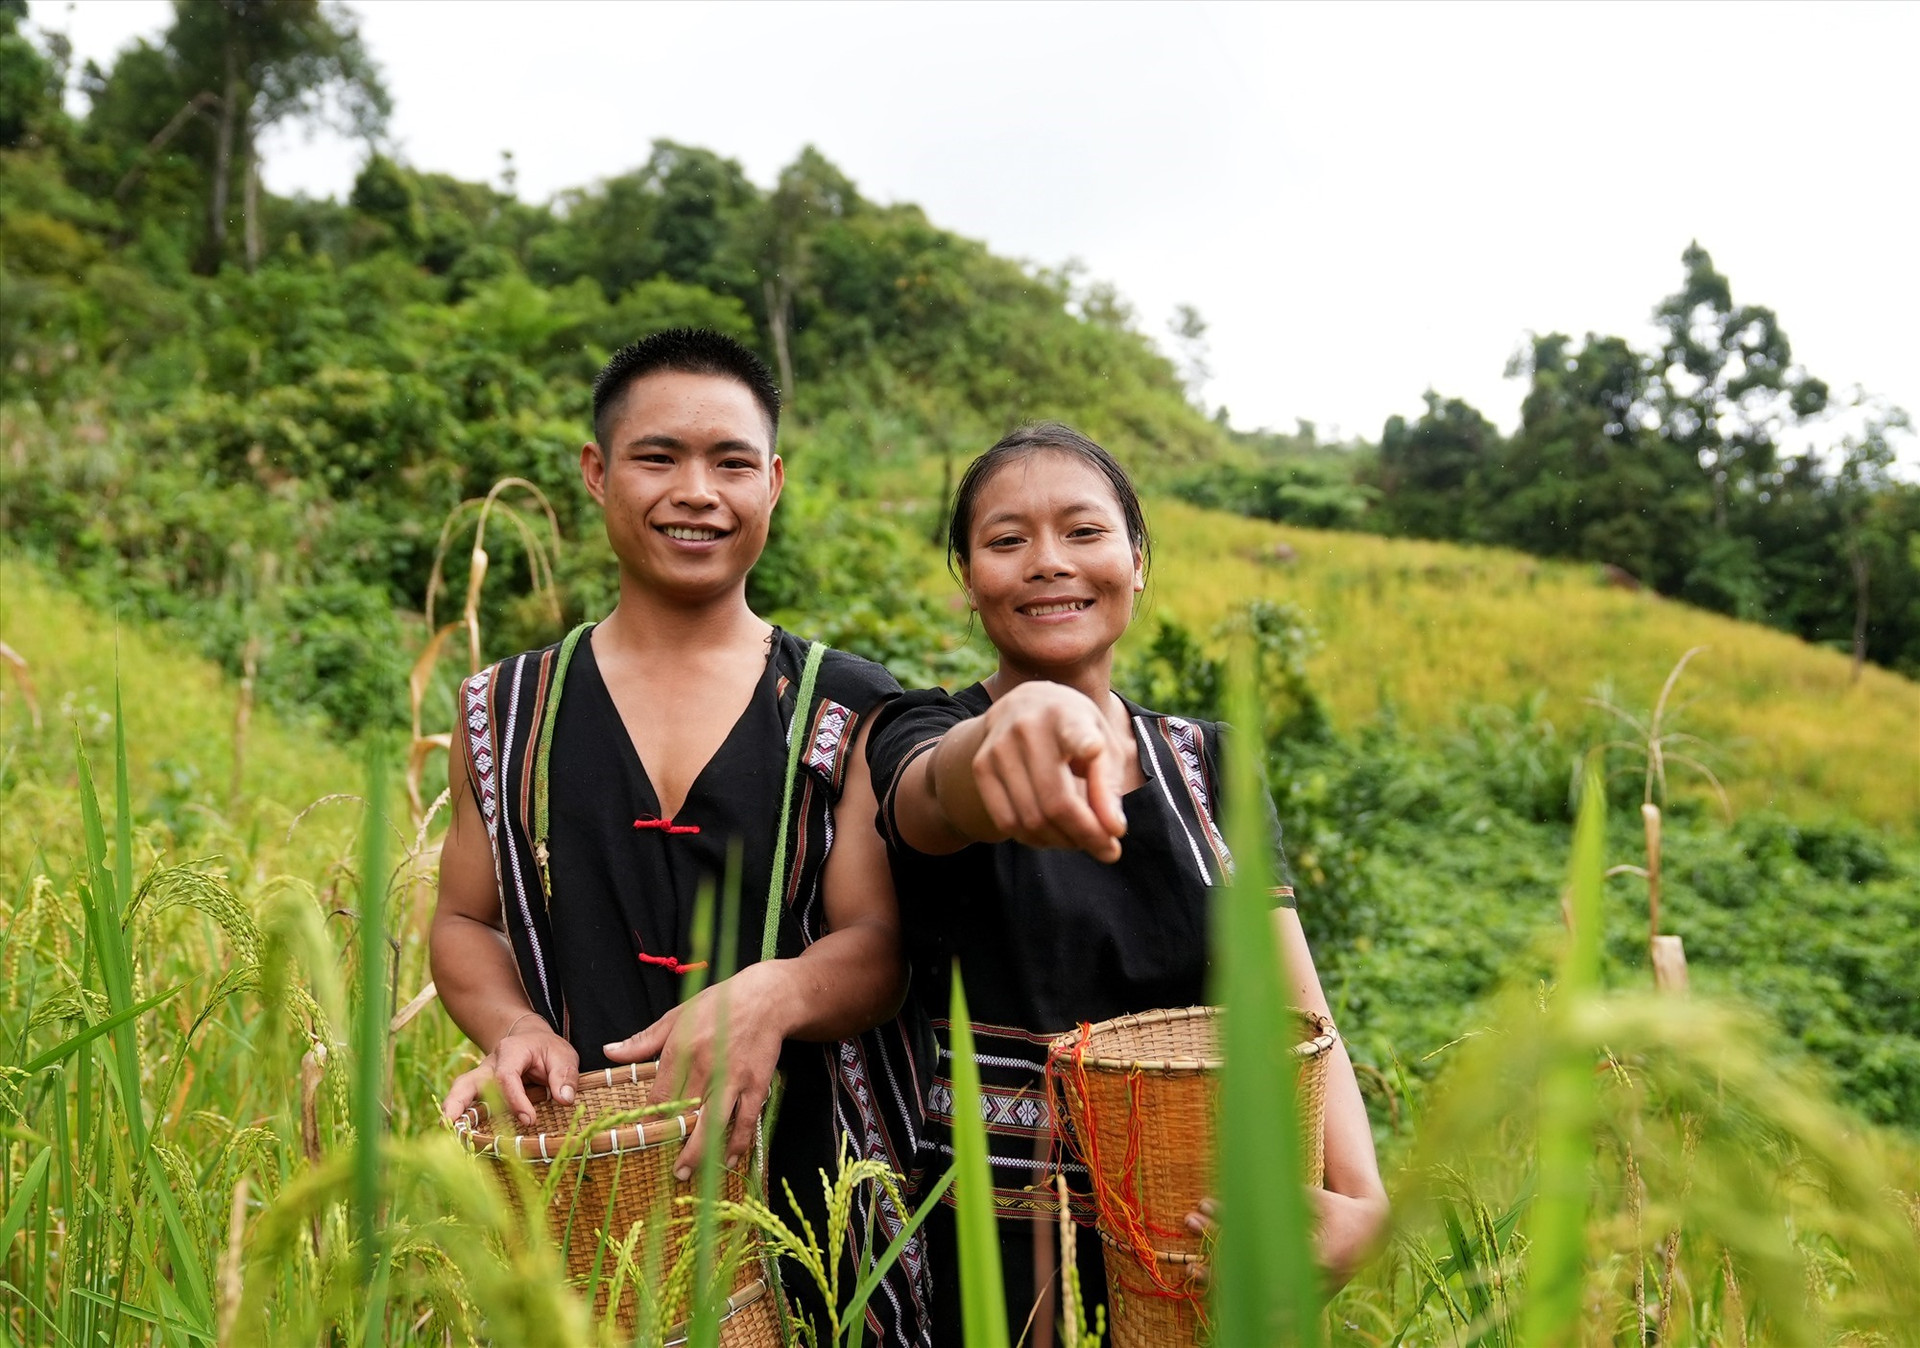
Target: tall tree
<point>256,63</point>
<point>1727,385</point>
<point>1862,487</point>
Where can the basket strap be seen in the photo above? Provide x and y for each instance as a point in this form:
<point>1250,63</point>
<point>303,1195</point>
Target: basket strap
<point>544,752</point>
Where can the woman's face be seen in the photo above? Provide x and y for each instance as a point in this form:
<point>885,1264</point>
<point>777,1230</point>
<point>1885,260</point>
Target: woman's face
<point>1050,567</point>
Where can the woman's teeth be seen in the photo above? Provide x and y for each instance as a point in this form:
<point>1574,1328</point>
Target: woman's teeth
<point>691,535</point>
<point>1047,610</point>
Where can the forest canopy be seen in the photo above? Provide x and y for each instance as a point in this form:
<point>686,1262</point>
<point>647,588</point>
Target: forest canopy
<point>254,410</point>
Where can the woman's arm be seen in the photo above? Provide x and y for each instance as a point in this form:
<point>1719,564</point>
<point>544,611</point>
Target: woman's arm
<point>1041,767</point>
<point>1351,1206</point>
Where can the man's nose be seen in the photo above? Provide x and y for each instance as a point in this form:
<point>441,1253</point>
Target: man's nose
<point>693,486</point>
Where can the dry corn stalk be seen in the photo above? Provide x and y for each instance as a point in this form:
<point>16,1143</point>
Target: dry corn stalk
<point>541,554</point>
<point>1654,743</point>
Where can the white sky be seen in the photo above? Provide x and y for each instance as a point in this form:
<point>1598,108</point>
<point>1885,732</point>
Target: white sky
<point>1363,201</point>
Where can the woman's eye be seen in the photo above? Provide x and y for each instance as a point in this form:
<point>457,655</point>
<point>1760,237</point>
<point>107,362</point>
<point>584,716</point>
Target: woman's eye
<point>1087,531</point>
<point>1006,541</point>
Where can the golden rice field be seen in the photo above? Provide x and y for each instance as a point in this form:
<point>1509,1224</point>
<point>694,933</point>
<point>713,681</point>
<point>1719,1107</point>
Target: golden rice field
<point>1436,626</point>
<point>180,712</point>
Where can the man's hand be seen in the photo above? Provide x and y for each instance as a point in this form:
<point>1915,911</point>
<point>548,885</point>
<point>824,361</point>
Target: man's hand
<point>1048,768</point>
<point>1346,1232</point>
<point>757,1003</point>
<point>531,1052</point>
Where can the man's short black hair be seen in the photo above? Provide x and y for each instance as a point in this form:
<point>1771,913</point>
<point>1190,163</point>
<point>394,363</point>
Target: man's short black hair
<point>684,351</point>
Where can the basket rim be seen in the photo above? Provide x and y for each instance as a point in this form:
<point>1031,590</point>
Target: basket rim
<point>1308,1049</point>
<point>569,1144</point>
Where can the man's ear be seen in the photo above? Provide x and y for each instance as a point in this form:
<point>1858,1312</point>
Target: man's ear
<point>777,475</point>
<point>593,471</point>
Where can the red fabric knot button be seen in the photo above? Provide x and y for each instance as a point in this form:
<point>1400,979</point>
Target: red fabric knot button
<point>664,825</point>
<point>667,962</point>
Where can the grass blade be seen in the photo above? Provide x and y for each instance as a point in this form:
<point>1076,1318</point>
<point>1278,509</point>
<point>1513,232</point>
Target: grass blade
<point>370,1031</point>
<point>1266,1288</point>
<point>983,1298</point>
<point>1557,1261</point>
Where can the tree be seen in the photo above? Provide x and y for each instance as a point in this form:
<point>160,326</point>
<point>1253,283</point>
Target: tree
<point>1726,383</point>
<point>1426,470</point>
<point>811,192</point>
<point>29,81</point>
<point>1862,487</point>
<point>253,64</point>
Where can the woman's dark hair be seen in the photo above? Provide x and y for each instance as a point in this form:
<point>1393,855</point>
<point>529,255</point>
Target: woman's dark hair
<point>1024,443</point>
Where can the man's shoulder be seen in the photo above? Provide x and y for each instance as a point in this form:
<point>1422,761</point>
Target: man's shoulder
<point>850,680</point>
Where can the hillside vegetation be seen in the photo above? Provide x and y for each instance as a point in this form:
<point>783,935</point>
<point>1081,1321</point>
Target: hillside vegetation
<point>1426,631</point>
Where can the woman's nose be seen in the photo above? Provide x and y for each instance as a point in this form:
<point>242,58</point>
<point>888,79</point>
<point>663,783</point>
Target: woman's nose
<point>1049,560</point>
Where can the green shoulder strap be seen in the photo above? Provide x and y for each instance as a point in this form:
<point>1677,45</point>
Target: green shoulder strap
<point>798,731</point>
<point>545,752</point>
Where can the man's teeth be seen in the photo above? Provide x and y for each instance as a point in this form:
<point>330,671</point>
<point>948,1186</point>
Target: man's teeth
<point>692,535</point>
<point>1044,610</point>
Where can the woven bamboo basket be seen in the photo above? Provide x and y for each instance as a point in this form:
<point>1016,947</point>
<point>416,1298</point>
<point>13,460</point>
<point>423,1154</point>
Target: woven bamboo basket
<point>626,1163</point>
<point>1141,1093</point>
<point>1141,1312</point>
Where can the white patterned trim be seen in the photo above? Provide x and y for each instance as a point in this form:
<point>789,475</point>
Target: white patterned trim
<point>828,737</point>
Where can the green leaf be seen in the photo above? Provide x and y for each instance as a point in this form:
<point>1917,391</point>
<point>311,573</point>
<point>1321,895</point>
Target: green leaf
<point>23,1196</point>
<point>983,1298</point>
<point>74,1042</point>
<point>1266,1287</point>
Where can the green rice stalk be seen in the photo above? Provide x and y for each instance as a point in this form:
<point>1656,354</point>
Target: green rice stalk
<point>983,1298</point>
<point>1266,1285</point>
<point>1556,1272</point>
<point>370,1034</point>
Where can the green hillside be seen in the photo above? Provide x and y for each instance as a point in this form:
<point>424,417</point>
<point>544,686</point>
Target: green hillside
<point>1433,629</point>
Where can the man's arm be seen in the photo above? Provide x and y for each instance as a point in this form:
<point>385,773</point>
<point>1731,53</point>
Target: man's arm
<point>1041,767</point>
<point>849,980</point>
<point>475,972</point>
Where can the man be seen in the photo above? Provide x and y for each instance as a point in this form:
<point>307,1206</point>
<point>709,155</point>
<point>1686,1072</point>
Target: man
<point>598,785</point>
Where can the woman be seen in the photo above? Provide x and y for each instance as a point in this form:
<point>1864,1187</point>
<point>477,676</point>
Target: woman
<point>1062,843</point>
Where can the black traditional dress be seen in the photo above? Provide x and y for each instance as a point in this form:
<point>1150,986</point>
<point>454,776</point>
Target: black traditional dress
<point>607,954</point>
<point>1047,939</point>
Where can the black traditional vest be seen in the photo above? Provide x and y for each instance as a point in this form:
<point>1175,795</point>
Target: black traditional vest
<point>863,1091</point>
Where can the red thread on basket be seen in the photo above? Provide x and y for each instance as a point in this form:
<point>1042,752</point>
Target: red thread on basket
<point>1119,1205</point>
<point>664,825</point>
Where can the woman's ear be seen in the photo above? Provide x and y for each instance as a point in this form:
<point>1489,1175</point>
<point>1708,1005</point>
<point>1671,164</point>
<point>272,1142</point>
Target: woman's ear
<point>1139,571</point>
<point>966,587</point>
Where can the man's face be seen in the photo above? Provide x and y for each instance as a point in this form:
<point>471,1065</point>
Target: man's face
<point>688,480</point>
